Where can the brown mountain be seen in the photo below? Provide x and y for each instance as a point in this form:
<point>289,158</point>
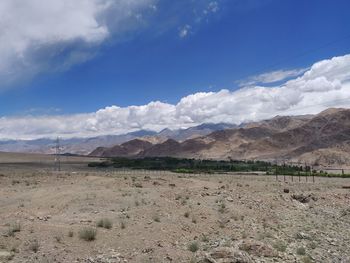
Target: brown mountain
<point>127,149</point>
<point>323,138</point>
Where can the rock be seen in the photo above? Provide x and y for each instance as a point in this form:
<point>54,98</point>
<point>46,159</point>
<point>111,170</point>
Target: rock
<point>304,198</point>
<point>258,248</point>
<point>302,235</point>
<point>229,199</point>
<point>286,190</point>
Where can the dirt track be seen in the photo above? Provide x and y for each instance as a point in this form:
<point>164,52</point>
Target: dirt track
<point>161,217</point>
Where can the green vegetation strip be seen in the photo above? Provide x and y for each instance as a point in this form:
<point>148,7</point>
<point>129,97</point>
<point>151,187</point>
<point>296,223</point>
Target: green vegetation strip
<point>182,165</point>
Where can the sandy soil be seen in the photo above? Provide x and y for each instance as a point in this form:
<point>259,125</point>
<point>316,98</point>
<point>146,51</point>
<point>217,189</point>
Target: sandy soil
<point>165,217</point>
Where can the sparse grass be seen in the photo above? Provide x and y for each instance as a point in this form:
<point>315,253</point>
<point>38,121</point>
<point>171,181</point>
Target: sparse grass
<point>222,208</point>
<point>313,245</point>
<point>193,247</point>
<point>13,228</point>
<point>58,239</point>
<point>88,234</point>
<point>280,246</point>
<point>205,238</point>
<point>301,251</point>
<point>105,223</point>
<point>34,246</point>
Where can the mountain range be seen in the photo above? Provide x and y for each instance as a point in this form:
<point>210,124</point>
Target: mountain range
<point>83,146</point>
<point>315,139</point>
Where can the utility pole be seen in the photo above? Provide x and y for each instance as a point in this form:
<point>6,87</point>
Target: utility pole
<point>58,155</point>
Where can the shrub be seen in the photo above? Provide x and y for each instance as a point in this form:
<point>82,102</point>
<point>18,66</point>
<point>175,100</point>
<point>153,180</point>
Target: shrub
<point>280,246</point>
<point>301,251</point>
<point>193,247</point>
<point>34,246</point>
<point>88,234</point>
<point>187,214</point>
<point>105,223</point>
<point>13,228</point>
<point>70,233</point>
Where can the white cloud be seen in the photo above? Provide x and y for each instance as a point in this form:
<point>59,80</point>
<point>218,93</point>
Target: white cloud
<point>38,36</point>
<point>326,84</point>
<point>184,31</point>
<point>271,77</point>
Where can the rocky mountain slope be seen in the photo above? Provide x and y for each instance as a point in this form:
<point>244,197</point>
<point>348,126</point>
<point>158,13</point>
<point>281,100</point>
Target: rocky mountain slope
<point>320,139</point>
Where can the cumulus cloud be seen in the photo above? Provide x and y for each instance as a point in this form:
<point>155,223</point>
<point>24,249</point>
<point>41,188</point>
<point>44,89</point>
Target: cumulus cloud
<point>326,84</point>
<point>271,77</point>
<point>39,36</point>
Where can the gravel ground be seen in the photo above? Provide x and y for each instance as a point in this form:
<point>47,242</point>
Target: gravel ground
<point>166,217</point>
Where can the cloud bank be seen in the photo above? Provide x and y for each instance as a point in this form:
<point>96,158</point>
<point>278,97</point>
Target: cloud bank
<point>39,36</point>
<point>45,36</point>
<point>326,84</point>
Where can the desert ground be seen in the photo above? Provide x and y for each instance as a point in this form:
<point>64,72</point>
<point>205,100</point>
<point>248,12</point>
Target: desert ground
<point>83,214</point>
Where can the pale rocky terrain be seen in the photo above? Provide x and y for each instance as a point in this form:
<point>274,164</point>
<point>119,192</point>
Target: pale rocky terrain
<point>166,217</point>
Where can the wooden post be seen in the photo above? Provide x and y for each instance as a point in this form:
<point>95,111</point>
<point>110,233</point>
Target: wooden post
<point>276,173</point>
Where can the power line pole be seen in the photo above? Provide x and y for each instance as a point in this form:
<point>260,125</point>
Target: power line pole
<point>58,155</point>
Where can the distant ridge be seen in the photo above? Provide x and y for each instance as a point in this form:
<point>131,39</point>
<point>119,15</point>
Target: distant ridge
<point>84,146</point>
<point>316,139</point>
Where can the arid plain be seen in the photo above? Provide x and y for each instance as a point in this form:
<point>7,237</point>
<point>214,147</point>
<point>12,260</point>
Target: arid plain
<point>86,215</point>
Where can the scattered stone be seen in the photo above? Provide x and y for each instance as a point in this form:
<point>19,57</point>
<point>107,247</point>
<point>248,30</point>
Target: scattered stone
<point>229,199</point>
<point>226,255</point>
<point>286,190</point>
<point>138,185</point>
<point>258,248</point>
<point>147,250</point>
<point>302,235</point>
<point>304,198</point>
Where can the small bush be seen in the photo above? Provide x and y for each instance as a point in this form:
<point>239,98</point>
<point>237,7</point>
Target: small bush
<point>193,247</point>
<point>122,225</point>
<point>105,223</point>
<point>34,246</point>
<point>187,214</point>
<point>70,233</point>
<point>301,251</point>
<point>88,234</point>
<point>280,246</point>
<point>205,238</point>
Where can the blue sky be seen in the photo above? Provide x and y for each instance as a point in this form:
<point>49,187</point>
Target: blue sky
<point>242,38</point>
<point>167,51</point>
